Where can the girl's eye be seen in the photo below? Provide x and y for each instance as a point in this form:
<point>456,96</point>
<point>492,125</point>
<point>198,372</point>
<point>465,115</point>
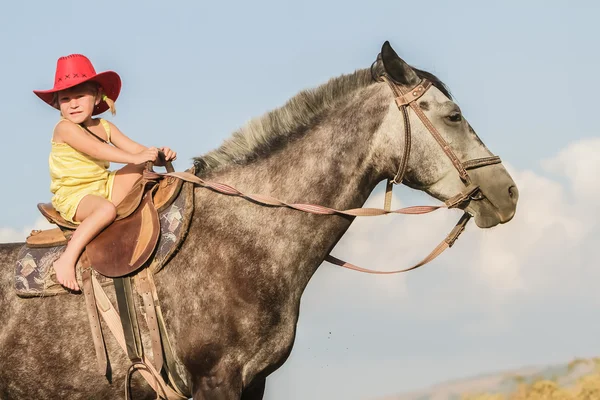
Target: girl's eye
<point>455,117</point>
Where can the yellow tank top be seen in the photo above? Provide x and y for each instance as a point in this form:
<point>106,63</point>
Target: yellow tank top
<point>70,168</point>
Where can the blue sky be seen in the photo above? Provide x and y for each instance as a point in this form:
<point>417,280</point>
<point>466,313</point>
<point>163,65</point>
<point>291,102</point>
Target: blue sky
<point>524,73</point>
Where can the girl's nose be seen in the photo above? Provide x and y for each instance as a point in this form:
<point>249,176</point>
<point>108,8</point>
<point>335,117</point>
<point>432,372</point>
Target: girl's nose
<point>73,103</point>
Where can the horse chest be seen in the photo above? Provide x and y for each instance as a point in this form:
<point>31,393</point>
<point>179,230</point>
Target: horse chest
<point>271,347</point>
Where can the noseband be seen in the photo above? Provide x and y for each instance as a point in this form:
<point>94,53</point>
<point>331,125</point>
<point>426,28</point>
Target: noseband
<point>409,99</point>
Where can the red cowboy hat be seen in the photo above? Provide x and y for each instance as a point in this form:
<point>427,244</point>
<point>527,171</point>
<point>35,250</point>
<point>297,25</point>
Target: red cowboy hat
<point>75,69</point>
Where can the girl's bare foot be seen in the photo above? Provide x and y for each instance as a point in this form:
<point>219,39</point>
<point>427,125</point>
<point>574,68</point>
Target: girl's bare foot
<point>95,213</point>
<point>65,273</point>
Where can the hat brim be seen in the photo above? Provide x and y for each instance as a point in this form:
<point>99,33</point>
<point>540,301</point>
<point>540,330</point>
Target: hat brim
<point>110,82</point>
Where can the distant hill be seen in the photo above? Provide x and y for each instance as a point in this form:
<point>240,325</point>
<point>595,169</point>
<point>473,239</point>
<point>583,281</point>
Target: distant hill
<point>503,382</point>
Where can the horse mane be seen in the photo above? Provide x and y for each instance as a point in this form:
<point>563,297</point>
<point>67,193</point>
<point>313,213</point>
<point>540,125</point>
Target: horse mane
<point>265,134</point>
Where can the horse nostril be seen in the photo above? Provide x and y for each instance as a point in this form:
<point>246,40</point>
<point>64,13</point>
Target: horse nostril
<point>513,192</point>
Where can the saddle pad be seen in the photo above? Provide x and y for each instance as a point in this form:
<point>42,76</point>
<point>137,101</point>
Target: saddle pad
<point>174,224</point>
<point>35,277</point>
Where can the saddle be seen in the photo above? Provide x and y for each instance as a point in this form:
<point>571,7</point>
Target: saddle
<point>127,244</point>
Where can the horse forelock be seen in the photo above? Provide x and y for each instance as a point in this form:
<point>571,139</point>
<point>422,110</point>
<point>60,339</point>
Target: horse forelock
<point>265,134</point>
<point>435,81</point>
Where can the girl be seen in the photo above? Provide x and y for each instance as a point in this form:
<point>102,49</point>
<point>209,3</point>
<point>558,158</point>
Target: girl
<point>85,191</point>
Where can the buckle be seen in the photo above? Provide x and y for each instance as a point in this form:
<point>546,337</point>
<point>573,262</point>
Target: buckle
<point>465,196</point>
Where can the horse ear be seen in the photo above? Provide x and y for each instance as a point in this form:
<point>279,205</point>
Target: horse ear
<point>396,67</point>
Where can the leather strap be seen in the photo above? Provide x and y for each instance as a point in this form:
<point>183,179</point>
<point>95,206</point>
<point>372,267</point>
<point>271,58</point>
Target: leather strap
<point>173,376</point>
<point>128,318</point>
<point>439,249</point>
<point>407,145</point>
<point>92,312</point>
<point>308,208</point>
<point>442,142</point>
<point>411,96</point>
<point>138,366</point>
<point>481,162</point>
<point>453,202</point>
<point>146,291</point>
<point>93,134</point>
<point>402,99</point>
<point>112,319</point>
<point>462,197</point>
<point>389,188</point>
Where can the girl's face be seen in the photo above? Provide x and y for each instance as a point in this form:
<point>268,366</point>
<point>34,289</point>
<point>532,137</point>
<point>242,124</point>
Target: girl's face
<point>77,103</point>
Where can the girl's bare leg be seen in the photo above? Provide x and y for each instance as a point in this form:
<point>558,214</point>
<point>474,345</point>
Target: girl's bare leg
<point>124,180</point>
<point>95,213</point>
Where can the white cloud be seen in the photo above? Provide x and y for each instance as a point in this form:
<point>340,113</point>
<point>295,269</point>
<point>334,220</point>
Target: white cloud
<point>10,235</point>
<point>580,163</point>
<point>553,223</point>
<point>539,252</point>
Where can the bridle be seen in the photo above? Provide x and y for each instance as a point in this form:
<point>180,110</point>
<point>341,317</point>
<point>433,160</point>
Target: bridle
<point>403,100</point>
<point>409,99</point>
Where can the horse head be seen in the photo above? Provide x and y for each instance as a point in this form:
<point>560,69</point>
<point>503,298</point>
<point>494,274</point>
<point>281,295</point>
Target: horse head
<point>430,146</point>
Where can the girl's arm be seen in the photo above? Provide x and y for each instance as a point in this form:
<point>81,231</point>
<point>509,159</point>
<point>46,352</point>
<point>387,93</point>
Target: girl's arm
<point>123,142</point>
<point>85,143</point>
<point>120,140</point>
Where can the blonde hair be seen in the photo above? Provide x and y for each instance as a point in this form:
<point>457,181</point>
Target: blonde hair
<point>111,104</point>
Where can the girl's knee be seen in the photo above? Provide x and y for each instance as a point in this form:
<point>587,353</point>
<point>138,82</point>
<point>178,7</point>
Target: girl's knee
<point>109,211</point>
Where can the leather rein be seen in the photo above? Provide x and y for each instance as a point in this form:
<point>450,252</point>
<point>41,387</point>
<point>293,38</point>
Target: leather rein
<point>403,100</point>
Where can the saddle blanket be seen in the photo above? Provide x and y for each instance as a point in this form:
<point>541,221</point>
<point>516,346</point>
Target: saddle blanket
<point>35,277</point>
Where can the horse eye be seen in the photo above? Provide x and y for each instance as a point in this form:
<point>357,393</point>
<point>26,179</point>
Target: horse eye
<point>455,117</point>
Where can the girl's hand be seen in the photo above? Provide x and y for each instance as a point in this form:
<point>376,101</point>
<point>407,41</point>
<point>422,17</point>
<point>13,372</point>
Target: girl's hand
<point>150,154</point>
<point>170,155</point>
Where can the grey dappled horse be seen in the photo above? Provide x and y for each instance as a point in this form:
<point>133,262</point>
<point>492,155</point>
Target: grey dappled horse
<point>231,295</point>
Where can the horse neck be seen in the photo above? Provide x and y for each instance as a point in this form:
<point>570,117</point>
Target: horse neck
<point>332,164</point>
